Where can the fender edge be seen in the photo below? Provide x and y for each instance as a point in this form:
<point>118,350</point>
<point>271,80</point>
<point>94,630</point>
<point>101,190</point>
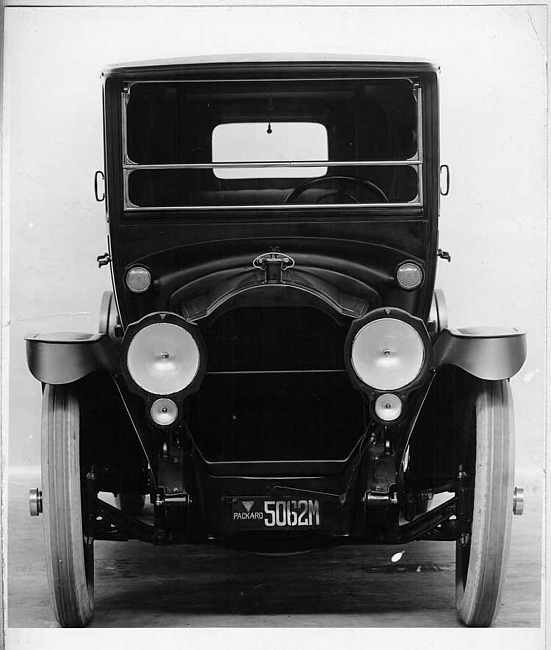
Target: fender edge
<point>486,352</point>
<point>64,357</point>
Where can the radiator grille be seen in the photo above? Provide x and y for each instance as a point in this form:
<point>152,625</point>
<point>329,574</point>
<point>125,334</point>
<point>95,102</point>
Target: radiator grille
<point>275,339</point>
<point>276,388</point>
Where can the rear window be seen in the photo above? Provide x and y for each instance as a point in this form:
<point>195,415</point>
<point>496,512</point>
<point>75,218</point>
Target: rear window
<point>271,143</point>
<point>256,142</point>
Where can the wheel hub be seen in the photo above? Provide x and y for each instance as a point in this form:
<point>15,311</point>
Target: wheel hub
<point>35,502</point>
<point>518,501</point>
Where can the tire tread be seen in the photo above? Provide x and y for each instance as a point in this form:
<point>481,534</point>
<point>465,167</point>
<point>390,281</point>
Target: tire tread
<point>71,586</point>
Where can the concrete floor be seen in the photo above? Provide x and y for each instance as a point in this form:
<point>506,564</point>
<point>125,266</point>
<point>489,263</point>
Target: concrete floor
<point>138,585</point>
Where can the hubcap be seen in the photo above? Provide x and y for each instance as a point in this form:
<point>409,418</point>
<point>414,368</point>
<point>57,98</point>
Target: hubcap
<point>35,502</point>
<point>518,501</point>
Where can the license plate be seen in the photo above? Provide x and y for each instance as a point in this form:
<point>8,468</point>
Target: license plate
<point>261,514</point>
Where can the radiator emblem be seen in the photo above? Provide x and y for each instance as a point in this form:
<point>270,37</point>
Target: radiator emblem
<point>273,264</point>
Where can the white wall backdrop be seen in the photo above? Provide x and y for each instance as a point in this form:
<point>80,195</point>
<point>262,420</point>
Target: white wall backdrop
<point>493,119</point>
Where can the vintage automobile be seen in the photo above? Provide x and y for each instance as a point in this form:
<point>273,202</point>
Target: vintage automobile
<point>274,368</point>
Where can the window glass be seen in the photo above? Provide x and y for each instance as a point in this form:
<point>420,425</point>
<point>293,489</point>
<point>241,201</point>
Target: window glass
<point>364,129</point>
<point>273,142</point>
<point>150,188</point>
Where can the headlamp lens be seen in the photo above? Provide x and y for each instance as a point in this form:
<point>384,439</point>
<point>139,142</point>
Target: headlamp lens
<point>388,407</point>
<point>163,358</point>
<point>138,279</point>
<point>387,354</point>
<point>409,275</point>
<point>164,411</point>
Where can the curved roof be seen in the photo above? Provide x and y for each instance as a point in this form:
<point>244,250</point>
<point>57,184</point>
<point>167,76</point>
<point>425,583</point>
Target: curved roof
<point>380,63</point>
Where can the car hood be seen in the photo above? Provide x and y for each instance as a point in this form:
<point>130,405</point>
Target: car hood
<point>345,278</point>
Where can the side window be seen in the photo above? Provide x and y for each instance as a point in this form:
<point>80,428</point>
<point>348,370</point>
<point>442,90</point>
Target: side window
<point>261,142</point>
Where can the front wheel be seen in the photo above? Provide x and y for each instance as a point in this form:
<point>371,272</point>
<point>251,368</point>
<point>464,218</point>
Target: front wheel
<point>69,556</point>
<point>487,475</point>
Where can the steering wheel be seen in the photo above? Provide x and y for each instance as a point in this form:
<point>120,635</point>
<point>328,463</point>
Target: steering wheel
<point>339,193</point>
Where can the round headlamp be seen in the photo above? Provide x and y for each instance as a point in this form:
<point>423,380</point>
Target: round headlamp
<point>409,275</point>
<point>387,354</point>
<point>138,279</point>
<point>163,411</point>
<point>388,407</point>
<point>163,358</point>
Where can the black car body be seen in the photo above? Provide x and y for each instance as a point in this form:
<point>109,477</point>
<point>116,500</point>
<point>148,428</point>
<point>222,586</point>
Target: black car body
<point>274,366</point>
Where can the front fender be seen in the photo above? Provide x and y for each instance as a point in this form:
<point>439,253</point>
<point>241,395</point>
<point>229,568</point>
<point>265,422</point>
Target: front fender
<point>64,357</point>
<point>485,352</point>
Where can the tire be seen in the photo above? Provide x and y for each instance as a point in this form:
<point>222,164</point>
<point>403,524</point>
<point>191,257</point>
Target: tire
<point>489,468</point>
<point>69,560</point>
<point>109,319</point>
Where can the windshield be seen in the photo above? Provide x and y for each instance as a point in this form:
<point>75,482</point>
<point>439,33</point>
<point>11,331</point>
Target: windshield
<point>271,143</point>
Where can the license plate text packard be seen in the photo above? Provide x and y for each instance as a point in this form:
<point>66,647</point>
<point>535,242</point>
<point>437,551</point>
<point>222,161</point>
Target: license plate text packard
<point>281,513</point>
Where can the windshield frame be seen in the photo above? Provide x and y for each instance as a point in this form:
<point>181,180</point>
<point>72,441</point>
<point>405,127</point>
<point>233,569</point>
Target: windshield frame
<point>416,161</point>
